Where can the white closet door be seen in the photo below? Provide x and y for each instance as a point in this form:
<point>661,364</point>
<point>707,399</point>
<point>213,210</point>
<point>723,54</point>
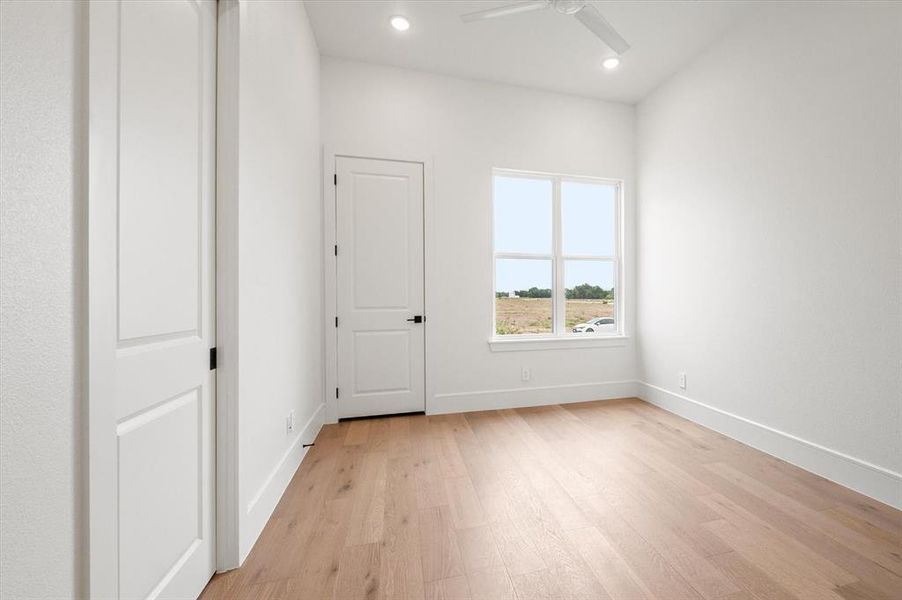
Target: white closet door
<point>151,306</point>
<point>381,326</point>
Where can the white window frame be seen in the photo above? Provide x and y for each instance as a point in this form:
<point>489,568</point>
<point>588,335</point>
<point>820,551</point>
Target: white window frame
<point>561,335</point>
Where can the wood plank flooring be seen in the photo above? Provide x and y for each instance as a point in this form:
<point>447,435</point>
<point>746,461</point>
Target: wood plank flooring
<point>615,499</point>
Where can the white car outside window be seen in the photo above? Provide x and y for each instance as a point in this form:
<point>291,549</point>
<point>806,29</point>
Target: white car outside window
<point>593,325</point>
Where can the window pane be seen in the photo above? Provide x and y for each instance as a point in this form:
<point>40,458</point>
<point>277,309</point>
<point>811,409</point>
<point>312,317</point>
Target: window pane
<point>587,218</point>
<point>522,296</point>
<point>590,296</point>
<point>522,215</point>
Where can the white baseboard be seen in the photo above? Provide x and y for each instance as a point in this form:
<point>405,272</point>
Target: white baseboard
<point>529,396</point>
<point>264,502</point>
<point>869,479</point>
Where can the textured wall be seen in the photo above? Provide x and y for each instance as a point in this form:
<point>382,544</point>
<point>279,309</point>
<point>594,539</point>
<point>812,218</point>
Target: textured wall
<point>41,242</point>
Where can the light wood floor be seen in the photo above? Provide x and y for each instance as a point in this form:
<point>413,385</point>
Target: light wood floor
<point>614,499</point>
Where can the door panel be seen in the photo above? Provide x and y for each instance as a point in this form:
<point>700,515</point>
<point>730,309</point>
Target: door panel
<point>381,236</point>
<point>381,366</point>
<point>160,138</point>
<point>151,305</point>
<point>160,482</point>
<point>377,368</point>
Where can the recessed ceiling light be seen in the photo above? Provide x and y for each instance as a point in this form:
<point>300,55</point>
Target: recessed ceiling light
<point>611,63</point>
<point>400,23</point>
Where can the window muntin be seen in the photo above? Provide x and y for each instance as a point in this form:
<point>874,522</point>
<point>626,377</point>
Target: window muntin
<point>570,289</point>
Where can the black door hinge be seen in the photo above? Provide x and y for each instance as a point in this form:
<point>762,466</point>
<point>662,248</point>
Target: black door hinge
<point>212,358</point>
<point>336,249</point>
<point>336,392</point>
<point>336,321</point>
<point>335,179</point>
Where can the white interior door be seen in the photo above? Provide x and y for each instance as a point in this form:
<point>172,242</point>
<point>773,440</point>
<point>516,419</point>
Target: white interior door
<point>380,287</point>
<point>151,316</point>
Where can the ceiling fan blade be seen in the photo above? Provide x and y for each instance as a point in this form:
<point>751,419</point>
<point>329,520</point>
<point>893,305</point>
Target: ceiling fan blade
<point>597,24</point>
<point>504,11</point>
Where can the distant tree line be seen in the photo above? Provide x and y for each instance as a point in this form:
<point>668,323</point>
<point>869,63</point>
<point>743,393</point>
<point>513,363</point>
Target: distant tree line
<point>586,291</point>
<point>583,291</point>
<point>533,292</point>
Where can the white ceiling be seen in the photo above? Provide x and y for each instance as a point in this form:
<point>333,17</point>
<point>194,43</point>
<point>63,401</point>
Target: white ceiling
<point>541,49</point>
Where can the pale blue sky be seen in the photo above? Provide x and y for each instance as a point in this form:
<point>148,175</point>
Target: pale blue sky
<point>523,224</point>
<point>522,215</point>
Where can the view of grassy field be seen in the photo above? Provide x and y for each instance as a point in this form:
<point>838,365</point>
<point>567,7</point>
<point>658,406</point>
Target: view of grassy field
<point>533,315</point>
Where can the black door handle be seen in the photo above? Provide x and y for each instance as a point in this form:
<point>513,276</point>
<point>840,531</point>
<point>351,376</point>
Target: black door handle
<point>416,319</point>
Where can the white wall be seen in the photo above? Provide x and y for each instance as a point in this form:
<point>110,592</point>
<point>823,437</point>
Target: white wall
<point>280,331</point>
<point>41,253</point>
<point>465,128</point>
<point>770,218</point>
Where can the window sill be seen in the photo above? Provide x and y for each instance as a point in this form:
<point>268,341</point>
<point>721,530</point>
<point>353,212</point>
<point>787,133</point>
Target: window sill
<point>553,343</point>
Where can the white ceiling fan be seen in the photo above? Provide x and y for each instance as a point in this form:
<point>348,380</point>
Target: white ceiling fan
<point>583,10</point>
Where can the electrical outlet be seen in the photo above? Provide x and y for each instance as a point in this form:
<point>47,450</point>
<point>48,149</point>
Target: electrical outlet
<point>525,375</point>
<point>289,422</point>
<point>682,380</point>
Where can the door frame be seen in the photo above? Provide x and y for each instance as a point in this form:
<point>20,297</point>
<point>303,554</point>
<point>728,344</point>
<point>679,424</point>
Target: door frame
<point>228,506</point>
<point>330,265</point>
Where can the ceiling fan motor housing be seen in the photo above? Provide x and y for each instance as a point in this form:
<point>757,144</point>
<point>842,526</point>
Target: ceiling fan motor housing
<point>569,7</point>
